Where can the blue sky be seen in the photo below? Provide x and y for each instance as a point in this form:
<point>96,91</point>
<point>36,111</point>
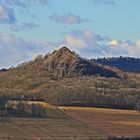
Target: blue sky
<point>93,28</point>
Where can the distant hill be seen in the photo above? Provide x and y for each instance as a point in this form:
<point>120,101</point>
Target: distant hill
<point>3,70</point>
<point>64,78</point>
<point>128,64</point>
<point>58,65</point>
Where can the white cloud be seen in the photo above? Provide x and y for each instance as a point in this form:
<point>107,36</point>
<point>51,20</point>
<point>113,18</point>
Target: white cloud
<point>84,42</point>
<point>75,42</point>
<point>138,43</point>
<point>113,43</point>
<point>15,50</point>
<point>91,45</point>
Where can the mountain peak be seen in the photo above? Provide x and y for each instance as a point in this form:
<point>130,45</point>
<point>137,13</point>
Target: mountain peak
<point>65,63</point>
<point>62,56</point>
<point>63,51</point>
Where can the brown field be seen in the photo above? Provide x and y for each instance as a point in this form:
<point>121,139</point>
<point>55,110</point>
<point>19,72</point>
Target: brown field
<point>57,126</point>
<point>109,122</point>
<point>45,129</point>
<point>72,123</point>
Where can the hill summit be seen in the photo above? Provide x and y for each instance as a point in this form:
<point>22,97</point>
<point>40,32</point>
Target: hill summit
<point>65,63</point>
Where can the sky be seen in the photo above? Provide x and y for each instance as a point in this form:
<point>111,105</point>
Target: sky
<point>92,28</point>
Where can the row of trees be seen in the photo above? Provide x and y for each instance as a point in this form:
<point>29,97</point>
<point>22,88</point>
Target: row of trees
<point>21,108</point>
<point>3,100</point>
<point>25,108</point>
<point>89,96</point>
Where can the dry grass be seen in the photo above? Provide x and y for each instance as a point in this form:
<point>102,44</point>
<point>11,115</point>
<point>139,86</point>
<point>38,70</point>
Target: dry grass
<point>72,123</point>
<point>108,121</point>
<point>46,129</point>
<point>44,104</point>
<point>57,126</point>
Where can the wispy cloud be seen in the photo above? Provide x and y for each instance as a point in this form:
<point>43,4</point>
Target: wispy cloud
<point>24,26</point>
<point>67,18</point>
<point>7,15</point>
<point>104,2</point>
<point>25,3</point>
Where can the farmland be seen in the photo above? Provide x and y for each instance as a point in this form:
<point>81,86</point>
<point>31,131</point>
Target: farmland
<point>56,126</point>
<point>44,129</point>
<point>109,122</point>
<point>72,123</point>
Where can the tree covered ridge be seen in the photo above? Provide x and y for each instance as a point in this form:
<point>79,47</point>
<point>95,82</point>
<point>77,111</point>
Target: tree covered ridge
<point>128,64</point>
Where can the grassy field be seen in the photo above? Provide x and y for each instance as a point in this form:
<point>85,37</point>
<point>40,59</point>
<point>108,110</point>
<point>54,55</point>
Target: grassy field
<point>45,129</point>
<point>72,123</point>
<point>57,126</point>
<point>109,122</point>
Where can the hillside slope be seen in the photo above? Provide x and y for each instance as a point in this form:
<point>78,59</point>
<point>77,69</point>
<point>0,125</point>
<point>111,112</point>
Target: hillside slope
<point>64,78</point>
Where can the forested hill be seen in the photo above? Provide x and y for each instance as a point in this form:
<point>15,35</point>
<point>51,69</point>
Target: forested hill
<point>64,78</point>
<point>128,64</point>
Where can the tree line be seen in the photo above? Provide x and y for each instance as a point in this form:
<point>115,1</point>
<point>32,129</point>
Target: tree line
<point>22,108</point>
